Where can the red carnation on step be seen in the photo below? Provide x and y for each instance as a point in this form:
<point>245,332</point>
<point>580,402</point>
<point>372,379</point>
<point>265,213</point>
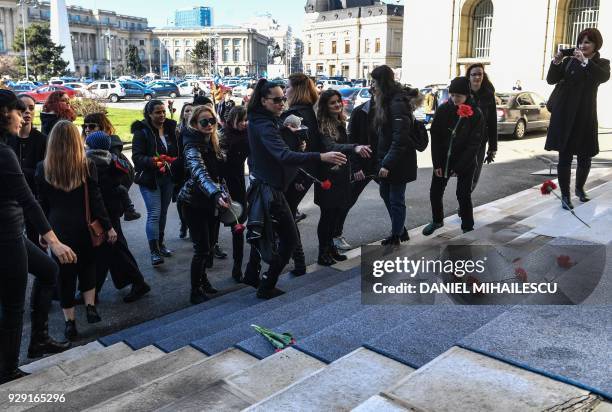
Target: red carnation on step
<point>465,110</point>
<point>326,184</point>
<point>547,187</point>
<point>521,274</point>
<point>564,261</point>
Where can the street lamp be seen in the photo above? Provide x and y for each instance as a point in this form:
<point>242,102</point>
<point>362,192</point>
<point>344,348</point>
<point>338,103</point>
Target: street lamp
<point>23,3</point>
<point>216,52</point>
<point>110,50</point>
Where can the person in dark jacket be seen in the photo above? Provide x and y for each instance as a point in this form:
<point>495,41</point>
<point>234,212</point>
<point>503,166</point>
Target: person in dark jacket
<point>66,181</point>
<point>18,255</point>
<point>57,107</point>
<point>99,121</point>
<point>464,147</point>
<point>179,175</point>
<point>116,257</point>
<point>225,106</point>
<point>333,202</point>
<point>483,94</point>
<point>201,195</point>
<point>154,139</point>
<point>235,144</point>
<point>273,167</point>
<point>393,121</point>
<point>573,126</point>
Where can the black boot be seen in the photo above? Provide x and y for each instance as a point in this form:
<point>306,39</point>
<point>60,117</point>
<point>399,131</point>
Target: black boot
<point>267,287</point>
<point>404,236</point>
<point>251,274</point>
<point>582,173</point>
<point>163,250</point>
<point>183,231</point>
<point>333,251</point>
<point>137,291</point>
<point>393,240</point>
<point>40,341</point>
<point>299,260</point>
<point>325,258</point>
<point>10,342</point>
<point>206,286</point>
<point>92,314</point>
<point>218,252</point>
<point>131,214</point>
<point>564,175</point>
<point>156,258</point>
<point>237,253</point>
<point>197,296</point>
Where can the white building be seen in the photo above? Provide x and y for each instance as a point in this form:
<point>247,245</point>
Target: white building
<point>352,37</point>
<point>515,39</point>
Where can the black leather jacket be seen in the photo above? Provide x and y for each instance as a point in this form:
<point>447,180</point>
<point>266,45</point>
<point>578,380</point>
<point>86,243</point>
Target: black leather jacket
<point>203,168</point>
<point>260,226</point>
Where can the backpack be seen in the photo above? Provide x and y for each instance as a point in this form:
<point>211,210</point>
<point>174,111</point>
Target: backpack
<point>419,137</point>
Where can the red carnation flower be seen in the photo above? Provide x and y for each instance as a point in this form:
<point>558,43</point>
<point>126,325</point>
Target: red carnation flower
<point>547,187</point>
<point>564,261</point>
<point>326,184</point>
<point>521,274</point>
<point>465,110</point>
<point>238,228</point>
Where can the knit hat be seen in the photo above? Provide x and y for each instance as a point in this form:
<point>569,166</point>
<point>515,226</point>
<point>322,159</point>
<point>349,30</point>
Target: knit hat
<point>460,85</point>
<point>9,100</point>
<point>98,140</point>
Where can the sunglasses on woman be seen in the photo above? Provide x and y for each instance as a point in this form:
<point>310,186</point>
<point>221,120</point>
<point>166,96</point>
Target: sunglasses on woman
<point>90,125</point>
<point>277,100</point>
<point>206,122</point>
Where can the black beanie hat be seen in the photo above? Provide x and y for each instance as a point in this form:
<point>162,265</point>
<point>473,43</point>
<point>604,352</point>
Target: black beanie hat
<point>9,100</point>
<point>460,85</point>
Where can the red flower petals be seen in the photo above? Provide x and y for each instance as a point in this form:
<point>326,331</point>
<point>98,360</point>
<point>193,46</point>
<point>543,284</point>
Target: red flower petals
<point>238,228</point>
<point>465,110</point>
<point>326,184</point>
<point>547,187</point>
<point>564,261</point>
<point>521,274</point>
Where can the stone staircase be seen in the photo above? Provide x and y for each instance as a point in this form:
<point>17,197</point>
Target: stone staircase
<point>351,356</point>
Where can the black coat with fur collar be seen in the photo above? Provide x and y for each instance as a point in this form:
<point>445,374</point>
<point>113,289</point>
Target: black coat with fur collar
<point>146,144</point>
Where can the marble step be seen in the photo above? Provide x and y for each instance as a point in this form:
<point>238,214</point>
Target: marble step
<point>378,403</point>
<point>188,380</point>
<point>73,353</point>
<point>342,385</point>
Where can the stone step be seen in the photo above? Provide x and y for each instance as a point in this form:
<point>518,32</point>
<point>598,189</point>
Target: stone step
<point>70,367</point>
<point>188,380</point>
<point>378,403</point>
<point>73,353</point>
<point>479,384</point>
<point>73,383</point>
<point>251,385</point>
<point>342,385</point>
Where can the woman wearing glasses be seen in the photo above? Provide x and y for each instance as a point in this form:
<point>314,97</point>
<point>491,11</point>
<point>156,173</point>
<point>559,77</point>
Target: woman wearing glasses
<point>201,194</point>
<point>153,137</point>
<point>273,167</point>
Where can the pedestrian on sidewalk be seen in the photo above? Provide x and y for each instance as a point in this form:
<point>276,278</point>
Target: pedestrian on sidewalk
<point>455,141</point>
<point>67,187</point>
<point>115,257</point>
<point>19,256</point>
<point>201,195</point>
<point>482,93</point>
<point>99,121</point>
<point>155,140</point>
<point>573,129</point>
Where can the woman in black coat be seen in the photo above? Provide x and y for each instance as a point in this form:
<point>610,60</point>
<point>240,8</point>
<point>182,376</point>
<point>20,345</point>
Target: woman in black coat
<point>393,120</point>
<point>573,126</point>
<point>201,194</point>
<point>337,199</point>
<point>483,94</point>
<point>153,137</point>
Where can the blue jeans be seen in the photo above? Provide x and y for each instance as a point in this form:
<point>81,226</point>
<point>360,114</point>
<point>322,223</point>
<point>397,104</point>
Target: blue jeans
<point>157,202</point>
<point>394,196</point>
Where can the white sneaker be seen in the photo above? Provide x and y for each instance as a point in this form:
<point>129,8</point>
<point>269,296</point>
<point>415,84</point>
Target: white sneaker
<point>341,243</point>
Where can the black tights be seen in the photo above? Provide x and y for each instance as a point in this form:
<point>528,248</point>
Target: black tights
<point>202,224</point>
<point>564,171</point>
<point>330,218</point>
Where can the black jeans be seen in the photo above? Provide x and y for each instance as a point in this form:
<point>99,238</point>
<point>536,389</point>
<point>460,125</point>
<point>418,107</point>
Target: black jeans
<point>564,170</point>
<point>464,196</point>
<point>329,220</point>
<point>202,224</point>
<point>356,189</point>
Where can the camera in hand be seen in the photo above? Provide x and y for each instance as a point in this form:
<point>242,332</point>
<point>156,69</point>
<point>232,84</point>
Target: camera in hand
<point>568,52</point>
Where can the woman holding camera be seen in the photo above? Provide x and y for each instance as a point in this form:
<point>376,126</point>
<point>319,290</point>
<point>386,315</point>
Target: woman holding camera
<point>201,195</point>
<point>573,126</point>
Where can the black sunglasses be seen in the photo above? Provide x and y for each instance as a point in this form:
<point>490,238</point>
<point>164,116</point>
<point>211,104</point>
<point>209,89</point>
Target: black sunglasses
<point>90,125</point>
<point>277,100</point>
<point>205,122</point>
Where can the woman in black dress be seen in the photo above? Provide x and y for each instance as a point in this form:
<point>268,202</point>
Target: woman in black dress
<point>18,255</point>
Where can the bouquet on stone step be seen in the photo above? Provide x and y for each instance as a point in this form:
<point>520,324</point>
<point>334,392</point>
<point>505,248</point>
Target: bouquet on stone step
<point>279,340</point>
<point>549,187</point>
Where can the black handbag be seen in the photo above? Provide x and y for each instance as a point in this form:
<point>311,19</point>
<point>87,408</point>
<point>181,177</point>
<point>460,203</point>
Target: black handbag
<point>419,137</point>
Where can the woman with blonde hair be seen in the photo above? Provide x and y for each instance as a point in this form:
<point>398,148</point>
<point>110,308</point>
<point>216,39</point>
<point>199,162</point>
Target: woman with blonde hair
<point>67,181</point>
<point>201,195</point>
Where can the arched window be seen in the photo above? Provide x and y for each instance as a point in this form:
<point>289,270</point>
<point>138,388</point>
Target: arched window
<point>237,55</point>
<point>581,14</point>
<point>177,54</point>
<point>482,24</point>
<point>119,53</point>
<point>237,71</point>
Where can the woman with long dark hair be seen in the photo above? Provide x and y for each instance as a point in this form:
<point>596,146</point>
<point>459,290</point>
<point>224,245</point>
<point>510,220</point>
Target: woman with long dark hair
<point>155,138</point>
<point>273,167</point>
<point>57,107</point>
<point>393,121</point>
<point>333,202</point>
<point>573,129</point>
<point>179,178</point>
<point>67,181</point>
<point>483,94</point>
<point>235,145</point>
<point>201,194</point>
<point>20,256</point>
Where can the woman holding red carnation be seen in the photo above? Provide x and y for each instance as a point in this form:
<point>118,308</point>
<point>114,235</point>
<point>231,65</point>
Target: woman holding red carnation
<point>456,135</point>
<point>334,200</point>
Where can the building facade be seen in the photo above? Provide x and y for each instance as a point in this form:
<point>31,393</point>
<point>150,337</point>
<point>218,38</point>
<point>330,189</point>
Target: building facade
<point>194,17</point>
<point>516,40</point>
<point>239,51</point>
<point>351,37</point>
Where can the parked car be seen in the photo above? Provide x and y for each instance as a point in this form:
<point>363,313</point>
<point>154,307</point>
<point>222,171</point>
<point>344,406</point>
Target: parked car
<point>77,86</point>
<point>333,84</point>
<point>348,99</point>
<point>41,93</point>
<point>23,87</point>
<point>240,89</point>
<point>135,90</point>
<point>186,87</point>
<point>520,112</point>
<point>165,88</point>
<point>111,90</point>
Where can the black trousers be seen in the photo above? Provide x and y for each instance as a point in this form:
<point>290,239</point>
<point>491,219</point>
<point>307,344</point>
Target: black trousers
<point>356,189</point>
<point>201,224</point>
<point>17,258</point>
<point>117,259</point>
<point>479,162</point>
<point>329,220</point>
<point>464,196</point>
<point>294,196</point>
<point>237,190</point>
<point>564,170</point>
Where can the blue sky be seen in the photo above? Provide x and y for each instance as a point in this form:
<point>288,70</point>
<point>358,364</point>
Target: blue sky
<point>225,11</point>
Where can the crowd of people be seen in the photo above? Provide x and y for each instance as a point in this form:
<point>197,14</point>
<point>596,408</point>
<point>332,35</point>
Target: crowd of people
<point>64,190</point>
